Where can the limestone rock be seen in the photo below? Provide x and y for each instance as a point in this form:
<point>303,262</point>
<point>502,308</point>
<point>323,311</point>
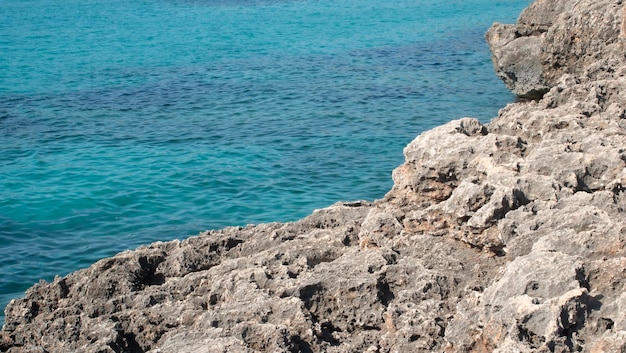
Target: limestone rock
<point>501,237</point>
<point>517,60</point>
<point>553,38</point>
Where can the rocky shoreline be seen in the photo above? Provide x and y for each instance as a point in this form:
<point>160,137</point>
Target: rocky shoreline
<point>503,237</point>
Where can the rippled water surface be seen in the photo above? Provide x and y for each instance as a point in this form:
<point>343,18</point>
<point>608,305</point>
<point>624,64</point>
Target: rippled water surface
<point>127,122</point>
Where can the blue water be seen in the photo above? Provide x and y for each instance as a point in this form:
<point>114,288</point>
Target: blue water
<point>127,122</point>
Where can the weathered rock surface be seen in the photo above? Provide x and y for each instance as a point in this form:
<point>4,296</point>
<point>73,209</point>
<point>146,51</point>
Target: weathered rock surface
<point>504,237</point>
<point>553,38</point>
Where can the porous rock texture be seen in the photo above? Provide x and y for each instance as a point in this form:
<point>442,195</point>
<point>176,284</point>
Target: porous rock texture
<point>557,37</point>
<point>504,237</point>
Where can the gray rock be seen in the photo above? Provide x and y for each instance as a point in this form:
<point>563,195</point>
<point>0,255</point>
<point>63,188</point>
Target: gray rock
<point>517,60</point>
<point>503,237</point>
<point>553,38</point>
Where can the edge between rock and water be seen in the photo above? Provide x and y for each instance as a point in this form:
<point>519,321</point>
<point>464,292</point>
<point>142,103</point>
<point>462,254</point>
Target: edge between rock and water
<point>500,237</point>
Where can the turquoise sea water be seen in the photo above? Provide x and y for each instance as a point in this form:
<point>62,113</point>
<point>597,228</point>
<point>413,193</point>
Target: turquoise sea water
<point>128,122</point>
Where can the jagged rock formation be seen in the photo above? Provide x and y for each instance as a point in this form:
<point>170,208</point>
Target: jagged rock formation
<point>553,38</point>
<point>504,237</point>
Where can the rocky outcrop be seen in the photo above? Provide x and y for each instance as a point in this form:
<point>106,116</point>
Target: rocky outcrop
<point>504,237</point>
<point>553,38</point>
